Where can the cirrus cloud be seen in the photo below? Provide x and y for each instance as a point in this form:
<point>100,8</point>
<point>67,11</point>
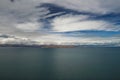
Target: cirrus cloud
<point>22,19</point>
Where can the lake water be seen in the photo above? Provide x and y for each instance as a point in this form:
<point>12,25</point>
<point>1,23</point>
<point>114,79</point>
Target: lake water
<point>59,64</point>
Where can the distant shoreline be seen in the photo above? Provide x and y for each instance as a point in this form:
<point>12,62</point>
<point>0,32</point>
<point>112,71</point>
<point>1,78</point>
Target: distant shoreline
<point>57,46</point>
<point>41,46</point>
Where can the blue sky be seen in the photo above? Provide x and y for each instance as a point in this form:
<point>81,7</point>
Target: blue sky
<point>83,22</point>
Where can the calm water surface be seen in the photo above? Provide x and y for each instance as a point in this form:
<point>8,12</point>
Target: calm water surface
<point>59,64</point>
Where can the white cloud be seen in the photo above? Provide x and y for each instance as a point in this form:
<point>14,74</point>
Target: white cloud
<point>72,23</point>
<point>93,6</point>
<point>21,13</point>
<point>62,40</point>
<point>20,19</point>
<point>29,26</point>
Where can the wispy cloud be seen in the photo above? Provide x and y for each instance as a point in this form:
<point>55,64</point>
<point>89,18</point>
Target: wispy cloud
<point>27,19</point>
<point>72,23</point>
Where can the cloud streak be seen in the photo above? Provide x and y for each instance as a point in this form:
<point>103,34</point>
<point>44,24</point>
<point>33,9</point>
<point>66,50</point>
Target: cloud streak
<point>34,22</point>
<point>72,23</point>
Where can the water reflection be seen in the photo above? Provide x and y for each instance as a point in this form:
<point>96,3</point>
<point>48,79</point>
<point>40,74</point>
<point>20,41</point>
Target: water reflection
<point>26,63</point>
<point>59,64</point>
<point>48,64</point>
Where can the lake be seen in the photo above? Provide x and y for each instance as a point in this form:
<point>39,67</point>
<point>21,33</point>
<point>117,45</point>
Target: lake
<point>80,63</point>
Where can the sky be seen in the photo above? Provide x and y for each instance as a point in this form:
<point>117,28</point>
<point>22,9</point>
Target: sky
<point>79,22</point>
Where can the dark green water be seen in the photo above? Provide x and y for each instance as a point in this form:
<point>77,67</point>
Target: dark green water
<point>60,64</point>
